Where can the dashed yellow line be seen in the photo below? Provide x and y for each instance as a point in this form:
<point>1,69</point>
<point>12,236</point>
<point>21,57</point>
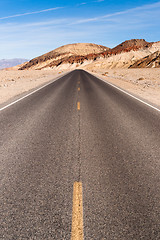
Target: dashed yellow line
<point>78,89</point>
<point>78,106</point>
<point>77,212</point>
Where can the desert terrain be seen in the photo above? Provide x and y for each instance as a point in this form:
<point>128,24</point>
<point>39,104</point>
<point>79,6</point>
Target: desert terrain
<point>133,65</point>
<point>14,83</point>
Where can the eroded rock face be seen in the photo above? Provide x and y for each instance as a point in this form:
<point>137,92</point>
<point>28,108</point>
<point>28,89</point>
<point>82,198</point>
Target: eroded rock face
<point>151,61</point>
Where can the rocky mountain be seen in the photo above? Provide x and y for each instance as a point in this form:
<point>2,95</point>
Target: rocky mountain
<point>151,61</point>
<point>67,53</point>
<point>134,44</point>
<point>89,56</point>
<point>124,55</point>
<point>7,63</point>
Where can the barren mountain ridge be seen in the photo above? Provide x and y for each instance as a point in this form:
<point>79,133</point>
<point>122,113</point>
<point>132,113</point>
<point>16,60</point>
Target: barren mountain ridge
<point>82,55</point>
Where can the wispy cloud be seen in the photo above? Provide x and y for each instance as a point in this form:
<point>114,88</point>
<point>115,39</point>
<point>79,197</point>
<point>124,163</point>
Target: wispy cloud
<point>85,3</point>
<point>81,4</point>
<point>31,13</point>
<point>100,18</point>
<point>99,1</point>
<point>36,37</point>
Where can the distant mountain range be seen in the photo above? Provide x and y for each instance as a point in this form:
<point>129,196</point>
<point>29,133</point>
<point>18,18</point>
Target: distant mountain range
<point>7,63</point>
<point>91,56</point>
<point>129,54</point>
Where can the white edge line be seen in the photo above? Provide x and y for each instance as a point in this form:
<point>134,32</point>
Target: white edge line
<point>127,93</point>
<point>18,100</point>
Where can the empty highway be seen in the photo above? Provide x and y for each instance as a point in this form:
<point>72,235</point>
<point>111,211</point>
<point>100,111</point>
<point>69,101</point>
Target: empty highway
<point>79,148</point>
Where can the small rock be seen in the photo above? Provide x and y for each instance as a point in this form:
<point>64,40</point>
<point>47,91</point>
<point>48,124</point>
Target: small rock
<point>141,78</point>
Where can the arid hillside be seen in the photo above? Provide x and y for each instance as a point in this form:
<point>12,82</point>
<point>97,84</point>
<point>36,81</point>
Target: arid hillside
<point>125,56</point>
<point>64,54</point>
<point>89,56</point>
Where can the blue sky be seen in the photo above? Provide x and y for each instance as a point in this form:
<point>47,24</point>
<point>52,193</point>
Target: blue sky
<point>29,28</point>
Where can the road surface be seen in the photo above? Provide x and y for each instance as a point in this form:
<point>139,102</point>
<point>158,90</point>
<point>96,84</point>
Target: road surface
<point>79,130</point>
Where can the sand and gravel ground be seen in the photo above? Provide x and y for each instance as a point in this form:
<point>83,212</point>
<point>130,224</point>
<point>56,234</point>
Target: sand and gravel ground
<point>142,82</point>
<point>13,83</point>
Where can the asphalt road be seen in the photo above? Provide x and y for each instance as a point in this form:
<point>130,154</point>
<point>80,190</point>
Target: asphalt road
<point>111,145</point>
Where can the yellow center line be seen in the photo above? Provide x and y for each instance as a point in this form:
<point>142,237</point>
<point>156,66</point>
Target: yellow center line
<point>77,212</point>
<point>79,89</point>
<point>78,106</point>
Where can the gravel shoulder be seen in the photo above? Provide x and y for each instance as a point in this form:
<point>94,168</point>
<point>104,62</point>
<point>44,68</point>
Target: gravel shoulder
<point>144,83</point>
<point>15,83</point>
